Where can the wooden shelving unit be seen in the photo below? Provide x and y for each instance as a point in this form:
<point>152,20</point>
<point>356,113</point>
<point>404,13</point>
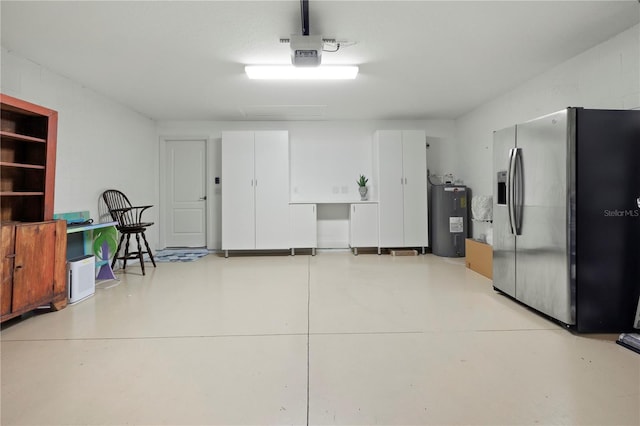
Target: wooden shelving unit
<point>32,245</point>
<point>28,135</point>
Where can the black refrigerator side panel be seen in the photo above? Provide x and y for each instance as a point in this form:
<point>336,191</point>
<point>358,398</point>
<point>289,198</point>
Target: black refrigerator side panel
<point>607,219</point>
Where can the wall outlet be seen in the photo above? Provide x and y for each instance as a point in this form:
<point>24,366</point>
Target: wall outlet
<point>345,189</point>
<point>336,190</point>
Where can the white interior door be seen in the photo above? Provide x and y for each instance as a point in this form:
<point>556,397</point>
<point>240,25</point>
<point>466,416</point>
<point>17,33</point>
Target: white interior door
<point>185,193</point>
<point>415,188</point>
<point>238,199</point>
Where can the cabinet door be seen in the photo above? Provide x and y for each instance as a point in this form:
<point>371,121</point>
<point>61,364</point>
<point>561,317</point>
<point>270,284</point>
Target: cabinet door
<point>390,187</point>
<point>238,204</point>
<point>304,232</point>
<point>363,225</point>
<point>7,255</point>
<point>272,189</point>
<point>414,160</point>
<point>34,264</point>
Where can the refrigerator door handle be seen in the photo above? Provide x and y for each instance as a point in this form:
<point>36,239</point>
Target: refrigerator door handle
<point>511,189</point>
<point>518,191</point>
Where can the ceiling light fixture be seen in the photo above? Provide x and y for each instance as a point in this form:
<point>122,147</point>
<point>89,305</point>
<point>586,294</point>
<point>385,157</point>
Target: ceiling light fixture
<point>289,72</point>
<point>306,56</point>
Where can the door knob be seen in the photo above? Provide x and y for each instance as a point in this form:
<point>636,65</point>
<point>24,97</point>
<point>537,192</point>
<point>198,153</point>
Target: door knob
<point>202,198</point>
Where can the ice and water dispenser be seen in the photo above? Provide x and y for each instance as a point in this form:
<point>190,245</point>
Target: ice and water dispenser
<point>502,188</point>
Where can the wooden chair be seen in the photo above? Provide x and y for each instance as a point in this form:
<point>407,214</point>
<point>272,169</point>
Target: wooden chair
<point>129,220</point>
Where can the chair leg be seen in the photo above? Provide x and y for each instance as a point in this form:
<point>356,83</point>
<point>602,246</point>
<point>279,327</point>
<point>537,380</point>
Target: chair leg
<point>140,252</point>
<point>126,252</point>
<point>115,257</point>
<point>148,249</point>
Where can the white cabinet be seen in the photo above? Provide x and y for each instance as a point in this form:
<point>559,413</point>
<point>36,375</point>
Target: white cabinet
<point>304,228</point>
<point>272,189</point>
<point>400,170</point>
<point>238,198</point>
<point>255,190</point>
<point>363,226</point>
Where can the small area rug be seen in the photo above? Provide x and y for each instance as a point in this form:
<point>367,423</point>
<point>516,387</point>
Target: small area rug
<point>179,255</point>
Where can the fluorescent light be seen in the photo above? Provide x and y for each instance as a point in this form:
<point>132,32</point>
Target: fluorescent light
<point>289,72</point>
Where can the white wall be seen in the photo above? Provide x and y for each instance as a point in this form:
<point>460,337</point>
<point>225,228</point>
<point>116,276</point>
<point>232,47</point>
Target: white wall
<point>606,76</point>
<point>326,159</point>
<point>101,144</point>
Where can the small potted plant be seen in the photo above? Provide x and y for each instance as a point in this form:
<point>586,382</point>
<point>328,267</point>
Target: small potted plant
<point>362,187</point>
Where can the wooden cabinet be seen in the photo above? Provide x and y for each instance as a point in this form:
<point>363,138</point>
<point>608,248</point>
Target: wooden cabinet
<point>33,249</point>
<point>33,266</point>
<point>304,226</point>
<point>255,190</point>
<point>400,173</point>
<point>27,160</point>
<point>363,226</point>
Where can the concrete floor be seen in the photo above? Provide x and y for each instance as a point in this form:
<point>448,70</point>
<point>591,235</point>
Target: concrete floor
<point>330,339</point>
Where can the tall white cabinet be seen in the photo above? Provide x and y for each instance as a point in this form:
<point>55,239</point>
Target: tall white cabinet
<point>255,190</point>
<point>400,171</point>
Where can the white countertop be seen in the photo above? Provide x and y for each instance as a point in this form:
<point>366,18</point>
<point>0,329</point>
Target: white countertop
<point>319,201</point>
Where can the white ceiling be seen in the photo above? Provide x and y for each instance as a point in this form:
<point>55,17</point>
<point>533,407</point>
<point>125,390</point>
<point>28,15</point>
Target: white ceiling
<point>178,60</point>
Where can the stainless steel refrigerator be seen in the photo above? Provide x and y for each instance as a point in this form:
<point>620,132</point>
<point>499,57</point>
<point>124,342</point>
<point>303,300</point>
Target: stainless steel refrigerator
<point>567,216</point>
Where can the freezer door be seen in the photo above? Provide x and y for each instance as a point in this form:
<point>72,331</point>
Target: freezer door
<point>542,271</point>
<point>504,259</point>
